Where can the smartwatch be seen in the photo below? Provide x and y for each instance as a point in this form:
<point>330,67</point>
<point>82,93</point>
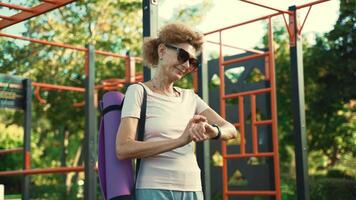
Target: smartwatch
<point>219,132</point>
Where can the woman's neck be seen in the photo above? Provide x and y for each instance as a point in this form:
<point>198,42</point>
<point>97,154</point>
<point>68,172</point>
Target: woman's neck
<point>161,84</point>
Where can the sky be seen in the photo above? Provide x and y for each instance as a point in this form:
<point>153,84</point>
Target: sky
<point>321,19</point>
<point>224,13</point>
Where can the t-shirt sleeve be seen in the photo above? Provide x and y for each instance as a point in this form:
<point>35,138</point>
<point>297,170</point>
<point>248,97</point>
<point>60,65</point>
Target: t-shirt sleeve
<point>132,102</point>
<point>200,106</point>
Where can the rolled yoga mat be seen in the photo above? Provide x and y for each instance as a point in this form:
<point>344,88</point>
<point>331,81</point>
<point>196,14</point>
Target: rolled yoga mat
<point>116,176</point>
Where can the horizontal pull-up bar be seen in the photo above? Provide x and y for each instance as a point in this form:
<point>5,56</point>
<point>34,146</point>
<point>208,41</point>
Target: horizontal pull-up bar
<point>28,13</point>
<point>67,46</point>
<point>311,3</point>
<point>234,47</point>
<point>243,23</point>
<point>57,87</point>
<point>280,12</point>
<point>251,193</point>
<point>6,17</point>
<point>16,7</point>
<point>42,171</point>
<point>264,6</point>
<point>44,42</point>
<point>8,151</point>
<point>250,57</point>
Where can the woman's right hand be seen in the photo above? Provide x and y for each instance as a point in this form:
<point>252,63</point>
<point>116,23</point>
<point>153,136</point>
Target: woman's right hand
<point>195,130</point>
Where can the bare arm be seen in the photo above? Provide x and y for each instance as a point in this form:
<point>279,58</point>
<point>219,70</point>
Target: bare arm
<point>228,131</point>
<point>128,147</point>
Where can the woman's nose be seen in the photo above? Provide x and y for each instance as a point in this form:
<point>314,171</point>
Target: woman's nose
<point>186,65</point>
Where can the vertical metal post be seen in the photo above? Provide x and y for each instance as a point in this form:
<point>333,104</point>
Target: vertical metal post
<point>203,149</point>
<point>27,87</point>
<point>272,78</point>
<point>90,128</point>
<point>297,79</point>
<point>150,27</point>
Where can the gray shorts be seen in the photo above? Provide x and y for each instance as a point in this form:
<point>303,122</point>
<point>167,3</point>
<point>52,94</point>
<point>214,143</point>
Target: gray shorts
<point>153,194</point>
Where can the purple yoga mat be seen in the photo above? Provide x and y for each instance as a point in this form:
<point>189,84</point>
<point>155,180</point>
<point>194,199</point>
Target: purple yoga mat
<point>116,176</point>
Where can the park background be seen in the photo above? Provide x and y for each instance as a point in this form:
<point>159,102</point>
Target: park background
<point>116,26</point>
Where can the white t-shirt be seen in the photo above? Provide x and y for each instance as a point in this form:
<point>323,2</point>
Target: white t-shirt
<point>166,118</point>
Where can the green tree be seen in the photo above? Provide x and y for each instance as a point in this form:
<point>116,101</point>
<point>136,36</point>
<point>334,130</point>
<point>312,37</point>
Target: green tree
<point>330,69</point>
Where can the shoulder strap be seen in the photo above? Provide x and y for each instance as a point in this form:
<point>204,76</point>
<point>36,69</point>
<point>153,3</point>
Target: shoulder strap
<point>141,130</point>
<point>142,121</point>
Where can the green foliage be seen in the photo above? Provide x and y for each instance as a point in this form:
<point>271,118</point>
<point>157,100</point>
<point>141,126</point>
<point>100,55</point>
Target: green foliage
<point>330,92</point>
<point>332,188</point>
<point>329,75</point>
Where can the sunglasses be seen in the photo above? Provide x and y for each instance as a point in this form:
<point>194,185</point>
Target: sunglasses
<point>183,56</point>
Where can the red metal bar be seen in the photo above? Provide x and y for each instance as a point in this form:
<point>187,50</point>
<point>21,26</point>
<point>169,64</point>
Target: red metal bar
<point>38,96</point>
<point>111,83</point>
<point>110,54</point>
<point>250,57</point>
<point>242,23</point>
<point>305,19</point>
<point>248,93</point>
<point>8,151</point>
<point>222,113</point>
<point>287,27</point>
<point>44,42</point>
<point>266,68</point>
<point>242,125</point>
<point>263,122</point>
<point>42,171</point>
<point>248,155</point>
<point>57,87</point>
<point>239,48</point>
<point>67,46</point>
<point>27,160</point>
<point>37,10</point>
<point>6,17</point>
<point>311,3</point>
<point>264,6</point>
<point>251,193</point>
<point>16,7</point>
<point>50,1</point>
<point>274,112</point>
<point>253,124</point>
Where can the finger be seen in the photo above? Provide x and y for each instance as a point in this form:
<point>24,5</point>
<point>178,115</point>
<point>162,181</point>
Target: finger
<point>208,127</point>
<point>195,139</point>
<point>199,135</point>
<point>195,134</point>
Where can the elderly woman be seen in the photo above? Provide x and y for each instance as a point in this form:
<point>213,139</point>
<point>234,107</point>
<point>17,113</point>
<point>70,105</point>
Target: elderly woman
<point>175,119</point>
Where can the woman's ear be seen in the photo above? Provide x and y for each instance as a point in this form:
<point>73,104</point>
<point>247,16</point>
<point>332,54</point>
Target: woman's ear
<point>161,50</point>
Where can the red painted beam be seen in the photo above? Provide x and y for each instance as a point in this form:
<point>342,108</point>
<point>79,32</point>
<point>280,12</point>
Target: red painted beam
<point>7,151</point>
<point>35,11</point>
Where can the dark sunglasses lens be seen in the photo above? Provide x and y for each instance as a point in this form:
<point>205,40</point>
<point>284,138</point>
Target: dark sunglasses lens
<point>183,56</point>
<point>193,62</point>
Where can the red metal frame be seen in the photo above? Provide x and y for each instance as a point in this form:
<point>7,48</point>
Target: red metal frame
<point>241,125</point>
<point>270,75</point>
<point>109,84</point>
<point>27,13</point>
<point>47,5</point>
